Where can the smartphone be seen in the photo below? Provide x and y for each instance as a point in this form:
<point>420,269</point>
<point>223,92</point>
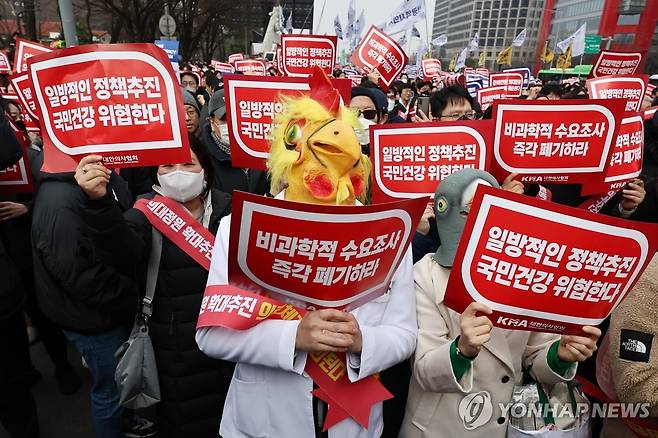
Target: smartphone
<point>424,105</point>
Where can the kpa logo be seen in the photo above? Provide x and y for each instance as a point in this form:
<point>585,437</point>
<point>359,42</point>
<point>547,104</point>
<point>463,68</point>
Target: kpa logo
<point>476,409</point>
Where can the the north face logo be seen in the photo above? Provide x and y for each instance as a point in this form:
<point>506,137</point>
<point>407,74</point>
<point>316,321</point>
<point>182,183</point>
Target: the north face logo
<point>634,346</point>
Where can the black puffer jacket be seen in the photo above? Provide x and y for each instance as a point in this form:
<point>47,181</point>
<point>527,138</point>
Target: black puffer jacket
<point>229,178</point>
<point>193,386</point>
<point>79,286</point>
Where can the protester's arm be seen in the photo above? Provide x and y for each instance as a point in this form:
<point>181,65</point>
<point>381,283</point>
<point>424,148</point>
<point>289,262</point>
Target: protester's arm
<point>433,367</point>
<point>10,152</point>
<point>270,343</point>
<point>540,356</point>
<point>75,263</point>
<point>393,339</point>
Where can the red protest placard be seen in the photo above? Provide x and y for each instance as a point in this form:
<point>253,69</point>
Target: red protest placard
<point>559,142</point>
<point>545,267</point>
<point>482,71</point>
<point>631,88</point>
<point>250,67</point>
<point>649,91</point>
<point>616,63</point>
<point>380,52</point>
<point>222,67</point>
<point>318,256</point>
<point>626,160</point>
<point>235,57</point>
<point>356,79</point>
<point>487,96</point>
<point>23,87</point>
<point>17,178</point>
<point>409,161</point>
<point>25,49</point>
<point>5,67</point>
<point>303,52</point>
<point>649,113</point>
<point>251,105</point>
<point>513,82</point>
<point>431,69</point>
<point>121,101</point>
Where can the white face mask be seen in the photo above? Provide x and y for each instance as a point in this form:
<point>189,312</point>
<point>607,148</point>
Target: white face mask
<point>363,134</point>
<point>181,185</point>
<point>223,132</point>
<point>391,104</point>
<point>191,89</point>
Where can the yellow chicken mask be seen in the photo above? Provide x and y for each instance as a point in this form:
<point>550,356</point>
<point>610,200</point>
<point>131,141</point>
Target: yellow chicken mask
<point>314,153</point>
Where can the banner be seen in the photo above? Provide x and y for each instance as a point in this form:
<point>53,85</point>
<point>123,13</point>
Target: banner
<point>431,69</point>
<point>356,79</point>
<point>279,59</point>
<point>23,88</point>
<point>649,113</point>
<point>170,47</point>
<point>487,96</point>
<point>250,67</point>
<point>222,67</point>
<point>559,142</point>
<point>525,71</point>
<point>17,178</point>
<point>121,101</point>
<point>318,256</point>
<point>380,52</point>
<point>25,49</point>
<point>626,160</point>
<point>303,52</point>
<point>405,15</point>
<point>513,82</point>
<point>545,267</point>
<point>631,88</point>
<point>251,105</point>
<point>610,63</point>
<point>235,57</point>
<point>410,161</point>
<point>5,67</point>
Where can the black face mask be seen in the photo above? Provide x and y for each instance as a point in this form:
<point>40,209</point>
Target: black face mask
<point>365,149</point>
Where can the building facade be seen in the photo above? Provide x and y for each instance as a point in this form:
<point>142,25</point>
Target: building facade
<point>497,22</point>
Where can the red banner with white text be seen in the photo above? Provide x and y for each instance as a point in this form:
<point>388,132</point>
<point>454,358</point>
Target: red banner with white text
<point>609,63</point>
<point>513,82</point>
<point>631,88</point>
<point>301,53</point>
<point>378,51</point>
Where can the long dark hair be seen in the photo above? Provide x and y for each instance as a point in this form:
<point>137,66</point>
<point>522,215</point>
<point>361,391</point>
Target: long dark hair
<point>205,161</point>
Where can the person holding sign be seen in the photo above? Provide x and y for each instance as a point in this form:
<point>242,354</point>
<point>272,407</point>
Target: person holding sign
<point>461,355</point>
<point>315,158</point>
<point>182,213</point>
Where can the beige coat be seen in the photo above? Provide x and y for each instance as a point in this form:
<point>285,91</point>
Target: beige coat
<point>635,381</point>
<point>433,407</point>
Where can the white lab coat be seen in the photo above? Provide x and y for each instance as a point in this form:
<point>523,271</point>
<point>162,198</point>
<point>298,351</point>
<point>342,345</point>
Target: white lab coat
<point>270,394</point>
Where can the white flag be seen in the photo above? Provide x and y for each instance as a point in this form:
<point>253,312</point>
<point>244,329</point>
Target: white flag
<point>474,43</point>
<point>577,40</point>
<point>519,39</point>
<point>359,24</point>
<point>405,16</point>
<point>351,13</point>
<point>289,23</point>
<point>441,40</point>
<point>461,60</point>
<point>338,28</point>
<point>403,40</point>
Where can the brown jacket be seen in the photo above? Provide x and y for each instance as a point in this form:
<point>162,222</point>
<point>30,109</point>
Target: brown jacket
<point>633,353</point>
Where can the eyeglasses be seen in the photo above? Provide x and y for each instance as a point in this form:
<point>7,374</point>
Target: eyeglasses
<point>186,83</point>
<point>369,114</point>
<point>469,115</point>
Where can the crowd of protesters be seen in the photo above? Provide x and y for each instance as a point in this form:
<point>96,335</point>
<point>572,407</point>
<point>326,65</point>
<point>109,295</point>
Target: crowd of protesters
<point>74,257</point>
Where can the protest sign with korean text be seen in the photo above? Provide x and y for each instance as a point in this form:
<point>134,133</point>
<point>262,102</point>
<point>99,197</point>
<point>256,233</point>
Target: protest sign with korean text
<point>251,105</point>
<point>222,67</point>
<point>431,69</point>
<point>303,52</point>
<point>616,63</point>
<point>513,82</point>
<point>5,67</point>
<point>649,113</point>
<point>409,161</point>
<point>17,178</point>
<point>121,101</point>
<point>318,256</point>
<point>631,88</point>
<point>482,71</point>
<point>23,88</point>
<point>525,71</point>
<point>235,57</point>
<point>626,160</point>
<point>487,96</point>
<point>25,49</point>
<point>250,67</point>
<point>559,142</point>
<point>544,267</point>
<point>378,51</point>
